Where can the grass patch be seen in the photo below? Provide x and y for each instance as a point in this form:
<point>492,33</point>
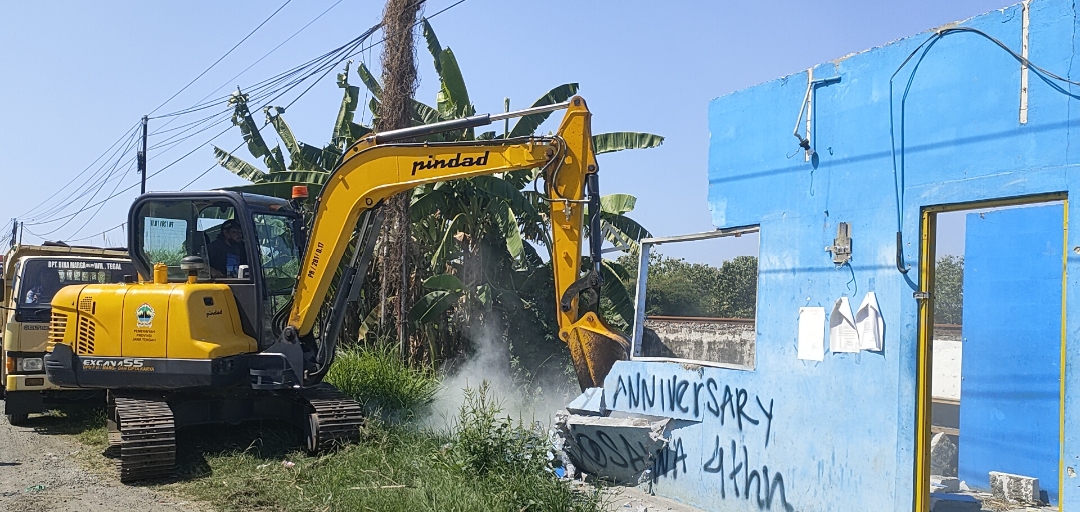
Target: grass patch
<point>484,461</point>
<point>393,468</point>
<point>378,379</point>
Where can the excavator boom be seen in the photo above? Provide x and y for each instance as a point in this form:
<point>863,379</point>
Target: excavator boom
<point>379,166</point>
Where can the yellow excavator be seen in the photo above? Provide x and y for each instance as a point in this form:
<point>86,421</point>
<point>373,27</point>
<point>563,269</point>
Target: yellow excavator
<point>226,323</point>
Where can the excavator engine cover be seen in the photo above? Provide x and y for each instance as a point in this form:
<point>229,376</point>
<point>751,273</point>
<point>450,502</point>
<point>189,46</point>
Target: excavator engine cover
<point>147,336</point>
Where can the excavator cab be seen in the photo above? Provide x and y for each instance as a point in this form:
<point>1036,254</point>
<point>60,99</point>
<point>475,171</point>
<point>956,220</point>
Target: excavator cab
<point>249,242</point>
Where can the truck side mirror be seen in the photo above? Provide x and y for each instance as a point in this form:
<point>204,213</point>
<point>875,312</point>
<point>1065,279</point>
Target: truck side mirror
<point>3,290</point>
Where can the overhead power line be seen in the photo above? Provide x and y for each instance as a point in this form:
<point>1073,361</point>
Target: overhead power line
<point>259,95</point>
<point>235,46</point>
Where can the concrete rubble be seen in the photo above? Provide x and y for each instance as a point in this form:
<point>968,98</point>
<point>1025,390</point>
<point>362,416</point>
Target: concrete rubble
<point>1014,488</point>
<point>943,455</point>
<point>619,450</point>
<point>589,403</point>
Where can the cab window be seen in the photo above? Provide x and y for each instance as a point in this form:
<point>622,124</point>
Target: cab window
<point>171,230</point>
<point>280,256</point>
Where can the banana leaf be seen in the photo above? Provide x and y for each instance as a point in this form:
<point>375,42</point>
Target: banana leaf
<point>446,245</point>
<point>256,145</point>
<point>502,189</point>
<point>453,99</point>
<point>618,141</point>
<point>528,124</point>
<point>627,227</point>
<point>369,80</point>
<point>238,166</point>
<point>343,131</point>
<point>504,217</point>
<point>430,306</point>
<point>615,291</point>
<point>303,177</point>
<point>281,189</point>
<point>617,203</point>
<point>444,282</point>
<point>286,135</point>
<point>432,44</point>
<point>427,205</point>
<point>370,323</point>
<point>331,155</point>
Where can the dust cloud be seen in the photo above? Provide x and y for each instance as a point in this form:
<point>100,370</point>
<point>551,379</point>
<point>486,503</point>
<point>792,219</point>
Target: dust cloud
<point>526,389</point>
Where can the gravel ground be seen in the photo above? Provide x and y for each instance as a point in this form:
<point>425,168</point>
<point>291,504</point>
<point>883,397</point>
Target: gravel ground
<point>40,471</point>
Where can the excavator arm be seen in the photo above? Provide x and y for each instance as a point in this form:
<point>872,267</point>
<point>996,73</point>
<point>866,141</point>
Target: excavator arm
<point>381,165</point>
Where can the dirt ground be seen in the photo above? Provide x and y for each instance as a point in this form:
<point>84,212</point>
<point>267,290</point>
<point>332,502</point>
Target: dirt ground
<point>40,471</point>
<point>634,499</point>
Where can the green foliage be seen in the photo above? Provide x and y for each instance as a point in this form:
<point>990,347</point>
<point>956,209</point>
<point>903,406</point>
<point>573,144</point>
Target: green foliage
<point>736,288</point>
<point>170,257</point>
<point>618,141</point>
<point>392,468</point>
<point>377,378</point>
<point>949,290</point>
<point>679,288</point>
<point>486,441</point>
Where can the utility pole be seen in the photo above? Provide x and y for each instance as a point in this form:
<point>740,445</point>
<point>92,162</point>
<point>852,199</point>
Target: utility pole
<point>399,86</point>
<point>14,231</point>
<point>142,158</point>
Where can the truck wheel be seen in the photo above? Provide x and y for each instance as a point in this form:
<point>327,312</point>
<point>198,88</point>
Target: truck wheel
<point>17,419</point>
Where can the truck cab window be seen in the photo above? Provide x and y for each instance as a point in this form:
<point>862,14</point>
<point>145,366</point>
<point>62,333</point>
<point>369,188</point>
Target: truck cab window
<point>40,279</point>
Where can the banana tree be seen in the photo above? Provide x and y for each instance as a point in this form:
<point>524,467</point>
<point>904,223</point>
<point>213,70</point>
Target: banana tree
<point>308,165</point>
<point>485,231</point>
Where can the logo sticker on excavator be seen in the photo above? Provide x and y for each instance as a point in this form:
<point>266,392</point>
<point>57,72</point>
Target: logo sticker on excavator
<point>126,364</point>
<point>456,161</point>
<point>144,316</point>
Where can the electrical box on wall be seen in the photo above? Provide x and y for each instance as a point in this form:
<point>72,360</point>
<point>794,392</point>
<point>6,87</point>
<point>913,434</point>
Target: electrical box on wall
<point>841,247</point>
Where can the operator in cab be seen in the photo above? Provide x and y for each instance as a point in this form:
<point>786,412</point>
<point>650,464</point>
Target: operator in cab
<point>227,252</point>
<point>47,284</point>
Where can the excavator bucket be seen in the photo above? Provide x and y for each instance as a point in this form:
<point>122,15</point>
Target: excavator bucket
<point>594,347</point>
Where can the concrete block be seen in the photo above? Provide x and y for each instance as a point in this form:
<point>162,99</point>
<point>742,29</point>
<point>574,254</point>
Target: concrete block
<point>943,455</point>
<point>589,403</point>
<point>944,484</point>
<point>1014,488</point>
<point>620,450</point>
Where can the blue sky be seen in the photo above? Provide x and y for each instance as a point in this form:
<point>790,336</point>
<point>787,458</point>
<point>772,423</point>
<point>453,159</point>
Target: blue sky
<point>78,75</point>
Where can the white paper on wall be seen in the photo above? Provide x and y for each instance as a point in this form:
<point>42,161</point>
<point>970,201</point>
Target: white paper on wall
<point>870,325</point>
<point>812,333</point>
<point>843,336</point>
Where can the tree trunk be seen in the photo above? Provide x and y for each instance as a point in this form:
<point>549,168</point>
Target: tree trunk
<point>399,86</point>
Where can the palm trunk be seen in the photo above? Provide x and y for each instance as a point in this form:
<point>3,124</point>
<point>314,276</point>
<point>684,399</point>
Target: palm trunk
<point>399,86</point>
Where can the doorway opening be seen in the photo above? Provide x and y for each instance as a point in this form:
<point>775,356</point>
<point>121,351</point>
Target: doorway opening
<point>991,355</point>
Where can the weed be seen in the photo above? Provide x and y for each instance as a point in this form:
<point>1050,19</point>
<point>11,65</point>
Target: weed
<point>378,379</point>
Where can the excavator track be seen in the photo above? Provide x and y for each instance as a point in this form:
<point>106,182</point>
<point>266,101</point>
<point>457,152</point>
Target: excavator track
<point>336,419</point>
<point>141,429</point>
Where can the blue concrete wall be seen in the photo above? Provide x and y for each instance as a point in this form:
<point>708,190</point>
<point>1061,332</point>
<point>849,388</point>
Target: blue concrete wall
<point>841,433</point>
<point>1010,395</point>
